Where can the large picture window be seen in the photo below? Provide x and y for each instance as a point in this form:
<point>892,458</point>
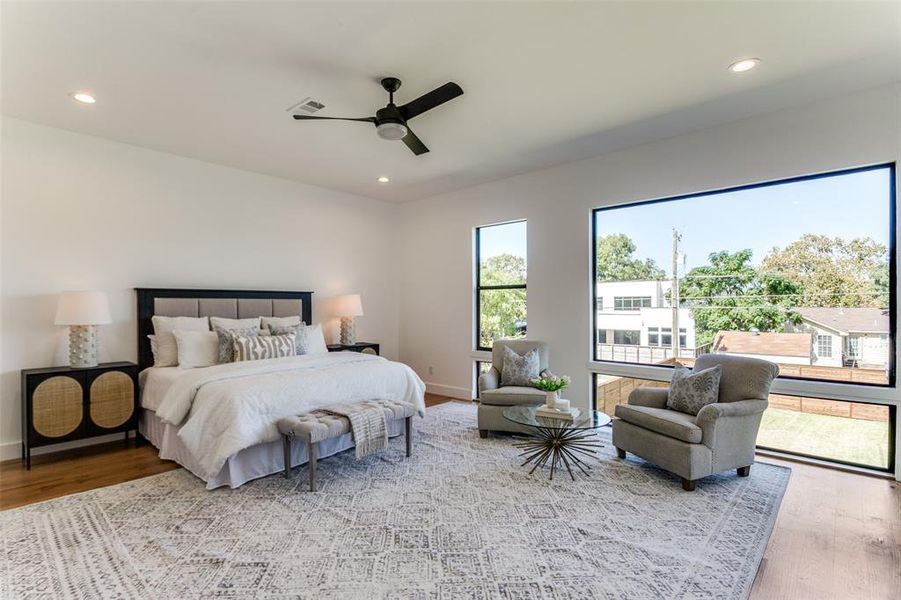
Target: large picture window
<point>500,294</point>
<point>798,272</point>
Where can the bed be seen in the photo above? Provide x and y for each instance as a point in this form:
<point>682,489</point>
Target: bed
<point>219,422</point>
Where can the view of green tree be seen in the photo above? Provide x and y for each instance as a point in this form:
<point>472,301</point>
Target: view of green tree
<point>833,271</point>
<point>501,310</point>
<point>503,269</point>
<point>616,260</point>
<point>730,294</point>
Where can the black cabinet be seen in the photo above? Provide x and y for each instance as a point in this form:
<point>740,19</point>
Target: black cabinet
<point>364,347</point>
<point>61,404</point>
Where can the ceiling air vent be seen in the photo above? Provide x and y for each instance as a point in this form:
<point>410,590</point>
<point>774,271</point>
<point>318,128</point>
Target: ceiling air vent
<point>307,106</point>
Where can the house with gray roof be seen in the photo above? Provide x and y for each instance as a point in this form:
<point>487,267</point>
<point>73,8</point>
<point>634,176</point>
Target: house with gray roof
<point>851,337</point>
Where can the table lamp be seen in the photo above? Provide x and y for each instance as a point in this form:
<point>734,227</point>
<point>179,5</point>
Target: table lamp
<point>348,307</point>
<point>81,311</point>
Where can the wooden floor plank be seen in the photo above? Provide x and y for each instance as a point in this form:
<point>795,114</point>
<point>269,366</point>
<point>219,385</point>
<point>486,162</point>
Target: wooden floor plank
<point>838,534</point>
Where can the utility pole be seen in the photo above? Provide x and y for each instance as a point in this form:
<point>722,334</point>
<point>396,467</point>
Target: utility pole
<point>674,294</point>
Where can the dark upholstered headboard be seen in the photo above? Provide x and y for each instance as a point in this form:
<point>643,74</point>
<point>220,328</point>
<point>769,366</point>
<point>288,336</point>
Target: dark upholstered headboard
<point>232,304</point>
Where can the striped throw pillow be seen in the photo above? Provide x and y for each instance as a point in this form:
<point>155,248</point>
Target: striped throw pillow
<point>261,347</point>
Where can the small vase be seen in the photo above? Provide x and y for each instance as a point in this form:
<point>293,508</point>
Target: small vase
<point>550,399</point>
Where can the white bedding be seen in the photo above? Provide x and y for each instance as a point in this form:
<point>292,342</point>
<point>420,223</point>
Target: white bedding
<point>225,408</point>
<point>155,382</point>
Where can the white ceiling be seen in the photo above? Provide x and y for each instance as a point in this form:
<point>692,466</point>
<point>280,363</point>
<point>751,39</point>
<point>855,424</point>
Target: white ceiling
<point>544,83</point>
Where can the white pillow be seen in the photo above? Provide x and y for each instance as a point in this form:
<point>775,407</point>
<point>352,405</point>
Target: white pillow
<point>280,322</point>
<point>229,324</point>
<point>162,343</point>
<point>163,357</point>
<point>314,342</point>
<point>196,348</point>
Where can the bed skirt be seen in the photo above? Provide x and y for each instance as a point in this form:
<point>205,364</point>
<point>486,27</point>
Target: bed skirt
<point>248,464</point>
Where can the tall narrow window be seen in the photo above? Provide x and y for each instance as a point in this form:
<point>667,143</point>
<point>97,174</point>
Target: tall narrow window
<point>500,296</point>
<point>824,346</point>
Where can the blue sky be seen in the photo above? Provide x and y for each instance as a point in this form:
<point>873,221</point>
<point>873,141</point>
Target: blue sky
<point>509,238</point>
<point>847,206</point>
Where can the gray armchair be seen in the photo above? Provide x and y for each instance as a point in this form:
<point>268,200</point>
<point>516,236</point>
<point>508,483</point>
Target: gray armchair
<point>723,436</point>
<point>495,398</point>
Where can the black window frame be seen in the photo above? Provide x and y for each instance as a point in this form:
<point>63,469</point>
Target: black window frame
<point>480,288</point>
<point>892,257</point>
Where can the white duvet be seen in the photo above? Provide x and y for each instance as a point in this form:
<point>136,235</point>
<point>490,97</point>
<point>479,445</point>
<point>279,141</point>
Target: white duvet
<point>226,408</point>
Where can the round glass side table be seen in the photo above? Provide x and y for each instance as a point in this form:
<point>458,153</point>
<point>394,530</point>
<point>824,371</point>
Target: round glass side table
<point>560,442</point>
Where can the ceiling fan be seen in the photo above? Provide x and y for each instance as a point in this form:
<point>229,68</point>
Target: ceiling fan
<point>391,122</point>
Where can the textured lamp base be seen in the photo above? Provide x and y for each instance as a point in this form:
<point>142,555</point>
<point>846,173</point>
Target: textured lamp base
<point>82,346</point>
<point>348,335</point>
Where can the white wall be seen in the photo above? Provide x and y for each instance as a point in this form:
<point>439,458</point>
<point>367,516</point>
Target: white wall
<point>436,298</point>
<point>80,212</point>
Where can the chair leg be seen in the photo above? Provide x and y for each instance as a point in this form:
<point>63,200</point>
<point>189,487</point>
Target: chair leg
<point>286,448</point>
<point>312,467</point>
<point>743,471</point>
<point>688,485</point>
<point>483,433</point>
<point>408,431</point>
<point>620,453</point>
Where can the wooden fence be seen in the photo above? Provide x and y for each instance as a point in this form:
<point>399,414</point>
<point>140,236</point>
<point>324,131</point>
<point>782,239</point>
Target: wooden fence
<point>615,390</point>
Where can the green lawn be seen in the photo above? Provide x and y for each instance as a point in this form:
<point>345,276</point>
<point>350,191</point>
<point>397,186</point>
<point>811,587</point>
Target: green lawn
<point>840,438</point>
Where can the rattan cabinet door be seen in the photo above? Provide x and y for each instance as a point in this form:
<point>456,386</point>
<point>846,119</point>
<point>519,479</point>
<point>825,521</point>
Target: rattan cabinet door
<point>111,400</point>
<point>57,408</point>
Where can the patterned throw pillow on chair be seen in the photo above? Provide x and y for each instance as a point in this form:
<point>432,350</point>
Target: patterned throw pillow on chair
<point>689,392</point>
<point>520,370</point>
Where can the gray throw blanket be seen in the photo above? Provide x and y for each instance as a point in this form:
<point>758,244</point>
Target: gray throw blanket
<point>368,425</point>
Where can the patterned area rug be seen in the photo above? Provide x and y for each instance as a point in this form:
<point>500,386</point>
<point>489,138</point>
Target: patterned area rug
<point>460,519</point>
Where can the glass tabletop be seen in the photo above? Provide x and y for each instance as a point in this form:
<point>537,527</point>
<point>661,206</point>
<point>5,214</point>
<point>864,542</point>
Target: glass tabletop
<point>525,415</point>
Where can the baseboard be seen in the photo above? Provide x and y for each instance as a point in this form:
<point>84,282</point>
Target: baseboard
<point>450,391</point>
<point>13,450</point>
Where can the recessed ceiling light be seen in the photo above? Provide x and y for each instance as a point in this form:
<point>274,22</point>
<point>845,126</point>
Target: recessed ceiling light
<point>383,179</point>
<point>746,64</point>
<point>83,97</point>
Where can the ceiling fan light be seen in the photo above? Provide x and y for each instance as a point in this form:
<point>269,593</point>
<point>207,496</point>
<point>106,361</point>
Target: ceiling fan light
<point>391,131</point>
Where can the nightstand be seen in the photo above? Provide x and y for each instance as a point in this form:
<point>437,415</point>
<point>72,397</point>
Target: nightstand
<point>61,404</point>
<point>364,347</point>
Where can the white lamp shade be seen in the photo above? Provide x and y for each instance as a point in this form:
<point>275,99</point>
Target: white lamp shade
<point>349,306</point>
<point>82,308</point>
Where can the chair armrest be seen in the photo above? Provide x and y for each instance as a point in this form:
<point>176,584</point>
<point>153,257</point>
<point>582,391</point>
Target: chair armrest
<point>730,425</point>
<point>489,380</point>
<point>742,408</point>
<point>652,397</point>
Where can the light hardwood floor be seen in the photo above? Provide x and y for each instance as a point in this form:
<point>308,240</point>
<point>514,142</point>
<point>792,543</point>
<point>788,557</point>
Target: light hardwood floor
<point>838,535</point>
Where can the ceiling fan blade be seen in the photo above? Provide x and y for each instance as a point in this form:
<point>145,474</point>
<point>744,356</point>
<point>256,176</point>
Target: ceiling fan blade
<point>414,143</point>
<point>430,100</point>
<point>309,118</point>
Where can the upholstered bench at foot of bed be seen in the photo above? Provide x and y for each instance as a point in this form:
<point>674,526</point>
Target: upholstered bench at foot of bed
<point>320,425</point>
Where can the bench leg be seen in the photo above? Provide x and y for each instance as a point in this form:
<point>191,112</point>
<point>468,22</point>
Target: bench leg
<point>312,467</point>
<point>408,430</point>
<point>286,447</point>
